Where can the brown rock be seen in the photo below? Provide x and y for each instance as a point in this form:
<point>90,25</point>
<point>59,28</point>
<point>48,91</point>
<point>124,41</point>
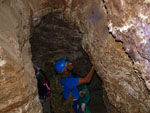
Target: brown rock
<point>128,21</point>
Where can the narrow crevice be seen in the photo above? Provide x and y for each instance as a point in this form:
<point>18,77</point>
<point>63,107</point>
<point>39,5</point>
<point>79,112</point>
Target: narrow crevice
<point>56,38</point>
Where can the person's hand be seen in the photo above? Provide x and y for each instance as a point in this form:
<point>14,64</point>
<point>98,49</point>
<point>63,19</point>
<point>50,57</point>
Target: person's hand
<point>83,93</point>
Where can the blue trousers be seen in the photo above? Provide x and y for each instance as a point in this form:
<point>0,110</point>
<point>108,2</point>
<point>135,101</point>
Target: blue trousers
<point>77,106</point>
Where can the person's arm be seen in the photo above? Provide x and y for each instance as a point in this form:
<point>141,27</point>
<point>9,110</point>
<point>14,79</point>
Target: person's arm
<point>87,78</point>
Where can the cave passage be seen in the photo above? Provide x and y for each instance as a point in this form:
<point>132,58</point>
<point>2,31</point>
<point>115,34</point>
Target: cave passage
<point>56,38</point>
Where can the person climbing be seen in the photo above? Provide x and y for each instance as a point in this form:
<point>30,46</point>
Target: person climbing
<point>43,84</point>
<point>70,83</point>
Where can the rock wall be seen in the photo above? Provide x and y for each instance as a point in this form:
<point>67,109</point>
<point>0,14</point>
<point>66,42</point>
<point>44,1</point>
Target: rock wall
<point>125,89</point>
<point>130,23</point>
<point>124,78</point>
<point>18,92</point>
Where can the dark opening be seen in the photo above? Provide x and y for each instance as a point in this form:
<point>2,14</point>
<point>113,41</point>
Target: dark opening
<point>56,38</point>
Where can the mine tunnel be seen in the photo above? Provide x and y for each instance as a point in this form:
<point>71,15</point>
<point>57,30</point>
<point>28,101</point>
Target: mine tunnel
<point>54,38</point>
<point>111,35</point>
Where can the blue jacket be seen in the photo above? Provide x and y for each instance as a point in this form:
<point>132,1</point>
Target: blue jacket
<point>69,83</point>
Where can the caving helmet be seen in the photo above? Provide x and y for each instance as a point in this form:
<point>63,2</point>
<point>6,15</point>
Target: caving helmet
<point>61,65</point>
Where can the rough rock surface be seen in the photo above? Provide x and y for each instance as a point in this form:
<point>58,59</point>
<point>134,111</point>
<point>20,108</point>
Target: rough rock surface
<point>18,92</point>
<point>124,78</point>
<point>130,23</point>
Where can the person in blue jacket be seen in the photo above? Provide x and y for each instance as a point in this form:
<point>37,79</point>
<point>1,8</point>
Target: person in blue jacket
<point>70,83</point>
